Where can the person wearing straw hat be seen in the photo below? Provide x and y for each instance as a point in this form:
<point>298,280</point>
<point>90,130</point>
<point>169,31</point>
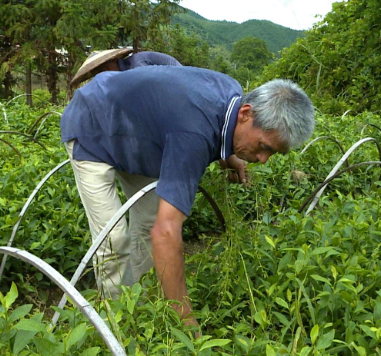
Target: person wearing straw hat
<point>114,60</point>
<point>168,123</point>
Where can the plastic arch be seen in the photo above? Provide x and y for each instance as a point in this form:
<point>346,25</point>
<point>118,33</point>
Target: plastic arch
<point>101,237</point>
<point>328,180</point>
<point>84,306</point>
<point>25,208</point>
<point>338,165</point>
<point>325,138</point>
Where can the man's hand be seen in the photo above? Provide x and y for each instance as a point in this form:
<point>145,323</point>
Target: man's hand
<point>167,247</point>
<point>239,167</point>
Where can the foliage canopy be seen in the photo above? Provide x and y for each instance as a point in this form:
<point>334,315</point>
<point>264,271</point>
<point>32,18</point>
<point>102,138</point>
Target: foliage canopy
<point>252,53</point>
<point>54,35</point>
<point>337,62</point>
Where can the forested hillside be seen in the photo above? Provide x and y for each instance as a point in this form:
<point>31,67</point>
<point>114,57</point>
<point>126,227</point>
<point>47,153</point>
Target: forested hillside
<point>226,33</point>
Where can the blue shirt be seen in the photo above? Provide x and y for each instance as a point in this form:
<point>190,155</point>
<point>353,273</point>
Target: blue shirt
<point>147,59</point>
<point>166,122</point>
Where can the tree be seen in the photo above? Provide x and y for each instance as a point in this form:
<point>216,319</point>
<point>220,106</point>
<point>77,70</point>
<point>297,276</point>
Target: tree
<point>52,34</point>
<point>187,49</point>
<point>220,59</point>
<point>7,50</point>
<point>15,18</point>
<point>160,19</point>
<point>338,62</point>
<point>144,22</point>
<point>84,25</point>
<point>61,28</point>
<point>44,31</point>
<point>251,53</point>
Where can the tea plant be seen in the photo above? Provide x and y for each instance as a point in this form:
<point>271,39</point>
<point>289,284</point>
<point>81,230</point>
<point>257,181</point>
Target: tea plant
<point>276,283</point>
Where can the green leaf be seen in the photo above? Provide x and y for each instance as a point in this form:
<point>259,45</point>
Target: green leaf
<point>270,241</point>
<point>361,351</point>
<point>281,318</point>
<point>346,280</point>
<point>259,319</point>
<point>367,330</point>
<point>11,296</point>
<point>299,265</point>
<point>272,288</point>
<point>30,325</point>
<point>183,338</point>
<point>309,304</point>
<point>281,302</point>
<point>289,295</point>
<point>243,342</point>
<point>284,261</point>
<point>131,306</point>
<point>349,285</point>
<point>377,310</point>
<point>92,351</point>
<point>135,293</point>
<point>314,334</point>
<point>325,340</point>
<point>316,277</point>
<point>34,245</point>
<point>305,351</point>
<point>20,312</point>
<point>334,272</point>
<point>216,342</point>
<point>47,348</point>
<point>321,250</point>
<point>136,290</point>
<point>270,351</point>
<point>22,339</point>
<point>75,335</point>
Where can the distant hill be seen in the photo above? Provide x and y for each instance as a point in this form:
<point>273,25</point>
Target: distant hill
<point>226,33</point>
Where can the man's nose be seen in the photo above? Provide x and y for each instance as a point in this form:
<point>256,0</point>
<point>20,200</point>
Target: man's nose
<point>263,157</point>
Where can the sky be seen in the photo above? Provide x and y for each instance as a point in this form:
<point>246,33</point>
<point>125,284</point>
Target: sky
<point>295,14</point>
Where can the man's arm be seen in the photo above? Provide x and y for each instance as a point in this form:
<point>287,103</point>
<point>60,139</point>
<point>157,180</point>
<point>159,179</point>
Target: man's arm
<point>167,246</point>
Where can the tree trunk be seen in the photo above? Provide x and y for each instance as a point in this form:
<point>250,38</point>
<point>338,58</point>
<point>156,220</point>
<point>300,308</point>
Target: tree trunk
<point>28,84</point>
<point>69,76</point>
<point>52,76</point>
<point>8,93</point>
<point>135,39</point>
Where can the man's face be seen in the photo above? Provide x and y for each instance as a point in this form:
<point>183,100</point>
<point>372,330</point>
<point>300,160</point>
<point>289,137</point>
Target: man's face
<point>109,65</point>
<point>253,144</point>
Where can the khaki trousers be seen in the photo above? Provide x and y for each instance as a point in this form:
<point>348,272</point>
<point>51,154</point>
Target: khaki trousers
<point>126,253</point>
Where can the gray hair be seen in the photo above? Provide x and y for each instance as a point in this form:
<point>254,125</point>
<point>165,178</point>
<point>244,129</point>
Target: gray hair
<point>283,106</point>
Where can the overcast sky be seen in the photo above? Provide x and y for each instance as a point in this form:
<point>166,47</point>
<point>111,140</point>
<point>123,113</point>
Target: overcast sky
<point>296,14</point>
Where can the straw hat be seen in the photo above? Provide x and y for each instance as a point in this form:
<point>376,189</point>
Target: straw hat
<point>95,59</point>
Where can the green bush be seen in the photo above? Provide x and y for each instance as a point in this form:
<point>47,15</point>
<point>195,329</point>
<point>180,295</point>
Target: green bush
<point>277,282</point>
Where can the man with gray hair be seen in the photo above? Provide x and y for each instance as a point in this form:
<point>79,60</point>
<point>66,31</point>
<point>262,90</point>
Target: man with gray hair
<point>168,123</point>
<point>280,113</point>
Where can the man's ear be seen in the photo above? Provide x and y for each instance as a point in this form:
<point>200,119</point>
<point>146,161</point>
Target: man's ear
<point>245,113</point>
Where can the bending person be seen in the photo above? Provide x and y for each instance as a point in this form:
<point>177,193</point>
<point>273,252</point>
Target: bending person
<point>168,123</point>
